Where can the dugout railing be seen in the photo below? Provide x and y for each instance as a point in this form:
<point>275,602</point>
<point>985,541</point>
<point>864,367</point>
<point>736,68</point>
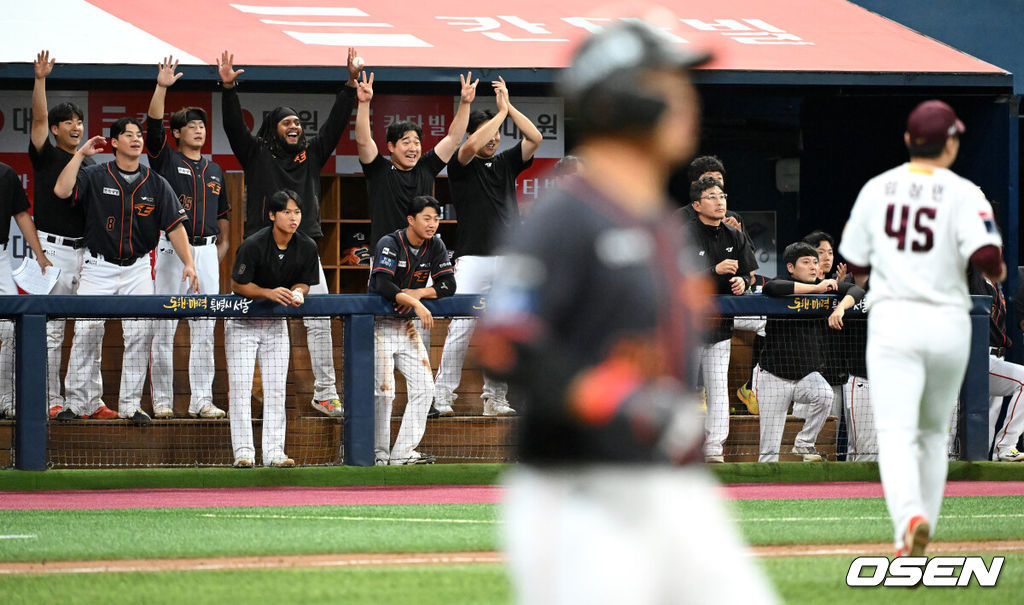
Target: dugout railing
<point>357,314</point>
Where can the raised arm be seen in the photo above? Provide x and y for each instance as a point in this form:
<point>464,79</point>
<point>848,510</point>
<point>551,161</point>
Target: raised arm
<point>532,138</point>
<point>165,78</point>
<point>341,112</point>
<point>364,136</point>
<point>446,147</point>
<point>65,184</point>
<point>483,133</point>
<point>43,65</point>
<point>242,141</point>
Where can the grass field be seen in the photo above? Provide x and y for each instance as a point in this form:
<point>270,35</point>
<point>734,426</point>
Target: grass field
<point>211,532</point>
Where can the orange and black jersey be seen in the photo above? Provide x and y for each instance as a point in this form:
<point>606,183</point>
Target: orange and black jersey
<point>199,184</point>
<point>397,265</point>
<point>979,286</point>
<point>123,220</point>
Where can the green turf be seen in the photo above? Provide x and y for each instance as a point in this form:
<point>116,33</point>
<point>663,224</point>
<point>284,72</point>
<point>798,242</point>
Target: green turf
<point>802,472</point>
<point>422,585</point>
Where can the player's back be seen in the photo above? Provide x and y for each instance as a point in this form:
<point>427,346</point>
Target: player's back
<point>916,226</point>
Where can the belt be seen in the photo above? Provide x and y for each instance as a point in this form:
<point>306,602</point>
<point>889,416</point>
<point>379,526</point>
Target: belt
<point>997,351</point>
<point>122,262</point>
<point>71,242</point>
<point>199,240</point>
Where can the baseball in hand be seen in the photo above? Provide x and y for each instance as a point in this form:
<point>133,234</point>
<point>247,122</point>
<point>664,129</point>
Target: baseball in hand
<point>358,62</point>
<point>297,297</point>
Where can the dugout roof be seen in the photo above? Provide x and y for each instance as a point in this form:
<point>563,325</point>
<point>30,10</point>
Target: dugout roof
<point>756,41</point>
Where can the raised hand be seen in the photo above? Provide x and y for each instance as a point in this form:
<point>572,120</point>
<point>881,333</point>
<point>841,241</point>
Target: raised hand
<point>225,65</point>
<point>166,76</point>
<point>43,64</point>
<point>364,88</point>
<point>94,145</point>
<point>500,94</point>
<point>468,87</point>
<point>353,70</point>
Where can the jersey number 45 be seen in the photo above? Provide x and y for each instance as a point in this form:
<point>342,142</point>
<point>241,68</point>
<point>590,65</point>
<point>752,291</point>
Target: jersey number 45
<point>922,236</point>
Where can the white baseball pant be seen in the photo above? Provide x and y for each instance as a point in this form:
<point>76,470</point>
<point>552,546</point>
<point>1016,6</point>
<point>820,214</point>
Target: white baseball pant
<point>473,275</point>
<point>861,436</point>
<point>774,395</point>
<point>714,363</point>
<point>1005,379</point>
<point>69,261</point>
<point>321,347</point>
<point>201,366</point>
<point>917,355</point>
<point>397,344</point>
<point>635,534</point>
<point>83,386</point>
<point>7,287</point>
<point>247,340</point>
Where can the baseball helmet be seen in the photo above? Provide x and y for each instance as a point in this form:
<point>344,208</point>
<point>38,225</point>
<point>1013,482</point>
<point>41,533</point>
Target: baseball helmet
<point>602,87</point>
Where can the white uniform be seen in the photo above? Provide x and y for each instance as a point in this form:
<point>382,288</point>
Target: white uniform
<point>60,251</point>
<point>246,341</point>
<point>397,345</point>
<point>201,366</point>
<point>7,287</point>
<point>861,436</point>
<point>1005,379</point>
<point>774,395</point>
<point>916,227</point>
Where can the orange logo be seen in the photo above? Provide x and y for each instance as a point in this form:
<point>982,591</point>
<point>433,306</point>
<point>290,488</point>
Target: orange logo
<point>186,202</point>
<point>215,187</point>
<point>300,158</point>
<point>144,209</point>
<point>421,276</point>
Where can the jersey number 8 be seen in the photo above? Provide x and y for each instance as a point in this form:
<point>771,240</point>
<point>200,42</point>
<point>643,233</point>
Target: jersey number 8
<point>922,219</point>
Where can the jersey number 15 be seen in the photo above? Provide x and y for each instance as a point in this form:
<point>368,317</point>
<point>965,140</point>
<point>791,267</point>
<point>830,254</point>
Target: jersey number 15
<point>921,229</point>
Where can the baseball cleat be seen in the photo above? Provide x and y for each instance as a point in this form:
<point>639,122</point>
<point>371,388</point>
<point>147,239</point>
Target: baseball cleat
<point>140,418</point>
<point>242,463</point>
<point>1011,456</point>
<point>208,411</point>
<point>66,414</point>
<point>497,406</point>
<point>54,410</point>
<point>808,452</point>
<point>443,406</point>
<point>748,398</point>
<point>282,462</point>
<point>330,407</point>
<point>415,458</point>
<point>916,538</point>
<point>711,459</point>
<point>103,413</point>
<point>163,412</point>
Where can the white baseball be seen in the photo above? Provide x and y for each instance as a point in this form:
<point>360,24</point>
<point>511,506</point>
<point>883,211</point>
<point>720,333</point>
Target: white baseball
<point>358,62</point>
<point>297,297</point>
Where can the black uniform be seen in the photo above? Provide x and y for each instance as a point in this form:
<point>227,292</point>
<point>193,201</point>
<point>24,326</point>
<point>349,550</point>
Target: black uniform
<point>397,265</point>
<point>484,192</point>
<point>712,245</point>
<point>124,220</point>
<point>587,282</point>
<point>259,261</point>
<point>390,189</point>
<point>689,214</point>
<point>266,174</point>
<point>793,348</point>
<point>199,184</point>
<point>12,200</point>
<point>979,286</point>
<point>51,213</point>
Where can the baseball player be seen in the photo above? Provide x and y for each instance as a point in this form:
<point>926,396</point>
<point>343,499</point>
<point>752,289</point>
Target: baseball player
<point>277,263</point>
<point>13,204</point>
<point>916,227</point>
<point>789,368</point>
<point>402,263</point>
<point>198,184</point>
<point>593,321</point>
<point>1005,379</point>
<point>281,156</point>
<point>60,225</point>
<point>483,185</point>
<point>392,183</point>
<point>127,205</point>
<point>722,251</point>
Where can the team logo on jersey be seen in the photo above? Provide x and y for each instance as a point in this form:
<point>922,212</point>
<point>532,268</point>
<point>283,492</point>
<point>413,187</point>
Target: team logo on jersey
<point>701,253</point>
<point>421,276</point>
<point>488,164</point>
<point>280,257</point>
<point>185,201</point>
<point>111,191</point>
<point>729,249</point>
<point>185,171</point>
<point>987,218</point>
<point>300,158</point>
<point>214,187</point>
<point>144,208</point>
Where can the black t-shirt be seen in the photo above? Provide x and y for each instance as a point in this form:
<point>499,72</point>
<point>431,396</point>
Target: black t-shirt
<point>12,199</point>
<point>51,213</point>
<point>390,189</point>
<point>124,220</point>
<point>259,261</point>
<point>484,192</point>
<point>266,174</point>
<point>578,291</point>
<point>198,183</point>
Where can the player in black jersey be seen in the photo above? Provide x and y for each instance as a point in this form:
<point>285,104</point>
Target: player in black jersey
<point>403,261</point>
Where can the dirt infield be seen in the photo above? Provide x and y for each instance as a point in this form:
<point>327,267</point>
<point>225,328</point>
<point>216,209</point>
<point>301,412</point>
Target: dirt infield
<point>461,558</point>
